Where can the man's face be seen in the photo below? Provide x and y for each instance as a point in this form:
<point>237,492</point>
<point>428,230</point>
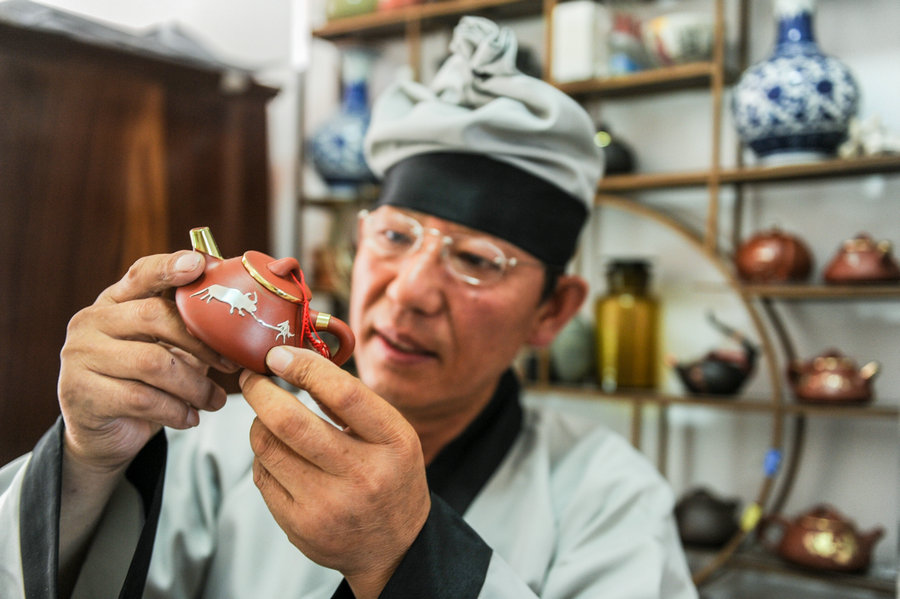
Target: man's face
<point>428,341</point>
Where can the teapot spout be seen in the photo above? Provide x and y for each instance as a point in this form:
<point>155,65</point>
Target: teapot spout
<point>868,371</point>
<point>202,241</point>
<point>751,351</point>
<point>868,540</point>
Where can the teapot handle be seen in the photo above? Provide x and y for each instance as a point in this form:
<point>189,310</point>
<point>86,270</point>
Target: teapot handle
<point>322,321</point>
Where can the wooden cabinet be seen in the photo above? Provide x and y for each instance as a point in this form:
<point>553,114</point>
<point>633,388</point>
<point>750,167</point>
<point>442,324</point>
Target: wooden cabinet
<point>107,155</point>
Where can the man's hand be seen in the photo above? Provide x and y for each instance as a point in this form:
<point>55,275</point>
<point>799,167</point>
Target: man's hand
<point>352,499</point>
<point>129,366</point>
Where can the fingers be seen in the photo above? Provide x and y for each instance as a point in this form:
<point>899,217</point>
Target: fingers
<point>339,392</point>
<point>94,358</point>
<point>152,275</point>
<point>286,426</point>
<point>157,367</point>
<point>151,320</point>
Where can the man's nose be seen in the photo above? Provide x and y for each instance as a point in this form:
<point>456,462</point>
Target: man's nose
<point>417,284</point>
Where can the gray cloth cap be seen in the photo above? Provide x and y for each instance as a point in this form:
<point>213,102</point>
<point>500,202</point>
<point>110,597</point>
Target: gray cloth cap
<point>480,103</point>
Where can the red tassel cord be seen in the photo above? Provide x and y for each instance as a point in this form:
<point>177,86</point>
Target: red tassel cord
<point>307,330</point>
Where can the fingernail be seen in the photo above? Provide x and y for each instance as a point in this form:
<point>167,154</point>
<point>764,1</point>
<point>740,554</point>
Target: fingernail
<point>219,399</point>
<point>279,358</point>
<point>188,262</point>
<point>245,374</point>
<point>193,417</point>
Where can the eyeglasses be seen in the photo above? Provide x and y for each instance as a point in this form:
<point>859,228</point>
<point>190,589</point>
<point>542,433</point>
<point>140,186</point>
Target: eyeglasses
<point>471,258</point>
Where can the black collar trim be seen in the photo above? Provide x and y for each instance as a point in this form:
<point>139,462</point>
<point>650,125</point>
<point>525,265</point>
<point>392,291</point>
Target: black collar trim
<point>40,507</point>
<point>464,466</point>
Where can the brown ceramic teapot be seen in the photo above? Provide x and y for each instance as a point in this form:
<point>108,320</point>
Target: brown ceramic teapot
<point>773,256</point>
<point>244,306</point>
<point>862,260</point>
<point>823,539</point>
<point>832,378</point>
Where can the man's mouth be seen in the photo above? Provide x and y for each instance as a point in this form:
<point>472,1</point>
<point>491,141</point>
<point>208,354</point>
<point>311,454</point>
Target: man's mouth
<point>404,345</point>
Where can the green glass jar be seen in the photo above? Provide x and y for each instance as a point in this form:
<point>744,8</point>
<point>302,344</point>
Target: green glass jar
<point>627,328</point>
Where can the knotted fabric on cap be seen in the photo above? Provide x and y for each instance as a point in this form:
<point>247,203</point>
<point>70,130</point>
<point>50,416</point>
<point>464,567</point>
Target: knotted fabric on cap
<point>488,146</point>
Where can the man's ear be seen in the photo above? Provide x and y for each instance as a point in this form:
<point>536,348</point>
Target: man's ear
<point>558,309</point>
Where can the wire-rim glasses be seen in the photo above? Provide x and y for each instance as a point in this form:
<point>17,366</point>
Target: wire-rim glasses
<point>471,258</point>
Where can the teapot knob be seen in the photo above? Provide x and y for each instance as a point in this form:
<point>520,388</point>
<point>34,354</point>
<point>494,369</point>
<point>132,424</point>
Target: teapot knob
<point>202,241</point>
<point>283,266</point>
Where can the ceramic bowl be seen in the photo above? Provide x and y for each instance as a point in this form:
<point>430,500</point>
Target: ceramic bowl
<point>679,38</point>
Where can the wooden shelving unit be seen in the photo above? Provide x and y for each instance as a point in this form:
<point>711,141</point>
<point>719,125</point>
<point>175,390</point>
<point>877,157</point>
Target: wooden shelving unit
<point>615,192</point>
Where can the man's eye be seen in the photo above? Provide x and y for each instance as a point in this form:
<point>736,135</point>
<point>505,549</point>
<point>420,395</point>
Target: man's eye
<point>475,261</point>
<point>396,238</point>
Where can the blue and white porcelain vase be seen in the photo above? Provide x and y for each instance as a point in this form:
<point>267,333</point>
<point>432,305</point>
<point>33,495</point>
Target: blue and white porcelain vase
<point>337,146</point>
<point>796,105</point>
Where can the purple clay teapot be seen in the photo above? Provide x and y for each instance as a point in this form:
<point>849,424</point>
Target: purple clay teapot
<point>861,261</point>
<point>822,539</point>
<point>832,377</point>
<point>705,520</point>
<point>720,371</point>
<point>244,306</point>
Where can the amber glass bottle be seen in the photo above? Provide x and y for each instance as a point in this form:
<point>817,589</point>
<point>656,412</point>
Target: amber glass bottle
<point>627,328</point>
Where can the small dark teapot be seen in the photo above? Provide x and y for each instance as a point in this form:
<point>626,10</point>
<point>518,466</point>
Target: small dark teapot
<point>244,306</point>
<point>832,377</point>
<point>862,260</point>
<point>705,520</point>
<point>822,539</point>
<point>720,371</point>
<point>618,157</point>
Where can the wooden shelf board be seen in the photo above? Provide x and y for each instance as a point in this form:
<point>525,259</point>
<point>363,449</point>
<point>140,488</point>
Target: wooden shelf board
<point>823,292</point>
<point>735,404</point>
<point>758,559</point>
<point>756,174</point>
<point>837,167</point>
<point>685,76</point>
<point>644,181</point>
<point>393,22</point>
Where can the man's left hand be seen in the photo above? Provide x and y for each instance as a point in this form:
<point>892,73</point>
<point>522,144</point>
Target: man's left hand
<point>354,499</point>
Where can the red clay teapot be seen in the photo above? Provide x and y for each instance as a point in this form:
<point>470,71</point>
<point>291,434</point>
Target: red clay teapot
<point>823,539</point>
<point>862,260</point>
<point>773,256</point>
<point>832,377</point>
<point>244,306</point>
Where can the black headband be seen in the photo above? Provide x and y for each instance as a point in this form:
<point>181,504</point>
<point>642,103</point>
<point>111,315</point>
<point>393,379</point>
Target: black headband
<point>491,196</point>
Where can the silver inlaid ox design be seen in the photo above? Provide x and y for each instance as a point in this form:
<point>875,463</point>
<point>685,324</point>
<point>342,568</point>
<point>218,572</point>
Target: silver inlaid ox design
<point>242,301</point>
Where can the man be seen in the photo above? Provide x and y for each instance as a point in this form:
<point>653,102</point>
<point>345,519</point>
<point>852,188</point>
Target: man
<point>429,480</point>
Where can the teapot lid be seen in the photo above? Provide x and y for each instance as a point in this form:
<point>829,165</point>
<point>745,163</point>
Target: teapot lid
<point>282,277</point>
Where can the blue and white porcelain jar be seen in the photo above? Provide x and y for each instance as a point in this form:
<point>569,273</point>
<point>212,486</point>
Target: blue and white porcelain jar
<point>337,146</point>
<point>796,105</point>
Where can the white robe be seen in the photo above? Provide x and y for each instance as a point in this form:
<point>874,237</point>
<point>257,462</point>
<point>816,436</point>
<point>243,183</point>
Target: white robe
<point>571,512</point>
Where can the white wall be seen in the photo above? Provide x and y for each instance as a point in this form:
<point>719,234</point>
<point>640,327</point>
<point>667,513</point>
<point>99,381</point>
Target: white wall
<point>851,463</point>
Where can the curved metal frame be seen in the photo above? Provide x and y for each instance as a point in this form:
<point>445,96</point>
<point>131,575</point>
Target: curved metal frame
<point>619,203</point>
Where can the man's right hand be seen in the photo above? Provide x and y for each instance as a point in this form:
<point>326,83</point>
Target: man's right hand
<point>129,366</point>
